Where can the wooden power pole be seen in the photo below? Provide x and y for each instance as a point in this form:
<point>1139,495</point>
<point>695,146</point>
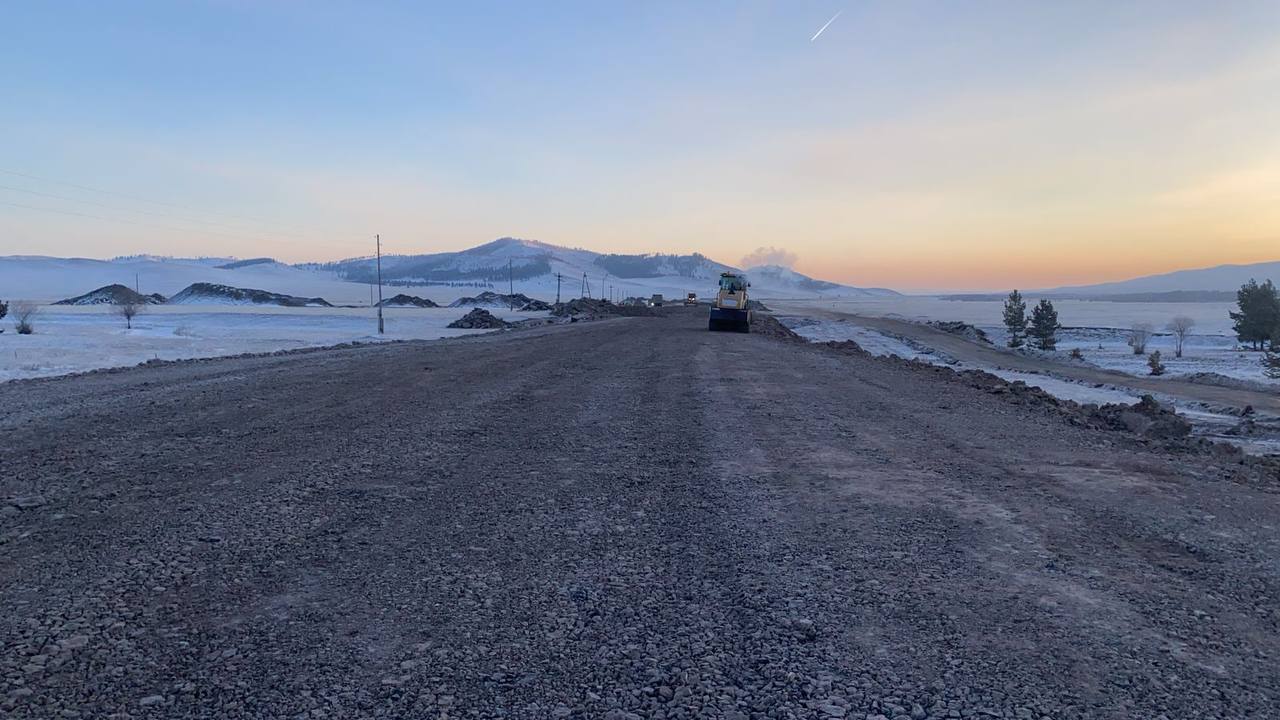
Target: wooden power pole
<point>378,240</point>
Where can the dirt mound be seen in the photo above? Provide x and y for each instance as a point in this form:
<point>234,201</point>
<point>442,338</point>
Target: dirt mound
<point>403,300</point>
<point>488,298</point>
<point>846,347</point>
<point>586,308</point>
<point>1226,381</point>
<point>1147,418</point>
<point>113,295</point>
<point>479,319</point>
<point>769,326</point>
<point>962,329</point>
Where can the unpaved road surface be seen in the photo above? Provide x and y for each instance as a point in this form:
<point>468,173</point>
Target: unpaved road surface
<point>983,355</point>
<point>623,519</point>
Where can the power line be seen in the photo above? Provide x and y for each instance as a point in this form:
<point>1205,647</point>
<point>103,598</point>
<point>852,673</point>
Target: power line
<point>117,209</point>
<point>129,222</point>
<point>141,199</point>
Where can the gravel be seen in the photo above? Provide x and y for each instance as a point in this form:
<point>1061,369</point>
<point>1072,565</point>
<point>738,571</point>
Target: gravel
<point>632,518</point>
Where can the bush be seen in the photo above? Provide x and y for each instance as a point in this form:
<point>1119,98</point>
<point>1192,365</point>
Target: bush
<point>24,314</point>
<point>1153,362</point>
<point>1076,354</point>
<point>1138,337</point>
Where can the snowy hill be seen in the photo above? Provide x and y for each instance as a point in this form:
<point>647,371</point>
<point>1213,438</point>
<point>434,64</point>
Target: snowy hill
<point>214,294</point>
<point>113,295</point>
<point>533,268</point>
<point>1222,278</point>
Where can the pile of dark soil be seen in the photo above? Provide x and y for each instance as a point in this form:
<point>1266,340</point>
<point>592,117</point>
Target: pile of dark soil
<point>587,308</point>
<point>962,329</point>
<point>479,319</point>
<point>488,298</point>
<point>403,300</point>
<point>769,326</point>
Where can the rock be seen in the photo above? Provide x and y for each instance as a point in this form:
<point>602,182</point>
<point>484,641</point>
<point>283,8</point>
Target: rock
<point>834,711</point>
<point>28,502</point>
<point>150,700</point>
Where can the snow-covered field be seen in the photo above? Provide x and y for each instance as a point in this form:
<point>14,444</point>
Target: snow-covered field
<point>74,339</point>
<point>1109,348</point>
<point>1210,318</point>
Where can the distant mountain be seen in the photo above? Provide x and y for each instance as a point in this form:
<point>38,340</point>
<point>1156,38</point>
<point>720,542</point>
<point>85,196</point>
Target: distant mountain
<point>535,266</point>
<point>536,269</point>
<point>113,295</point>
<point>1222,278</point>
<point>214,294</point>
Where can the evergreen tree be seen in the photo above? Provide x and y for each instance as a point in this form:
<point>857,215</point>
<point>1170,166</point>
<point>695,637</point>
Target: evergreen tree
<point>1015,318</point>
<point>1153,362</point>
<point>1259,313</point>
<point>1044,325</point>
<point>1271,361</point>
<point>4,309</point>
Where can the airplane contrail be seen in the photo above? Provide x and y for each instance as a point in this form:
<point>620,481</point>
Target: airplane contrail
<point>824,27</point>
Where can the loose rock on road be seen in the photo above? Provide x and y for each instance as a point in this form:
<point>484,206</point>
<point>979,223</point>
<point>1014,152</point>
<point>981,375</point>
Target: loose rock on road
<point>623,519</point>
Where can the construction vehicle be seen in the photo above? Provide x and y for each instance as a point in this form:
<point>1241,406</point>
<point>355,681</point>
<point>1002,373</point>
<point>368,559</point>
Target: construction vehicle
<point>730,311</point>
<point>691,299</point>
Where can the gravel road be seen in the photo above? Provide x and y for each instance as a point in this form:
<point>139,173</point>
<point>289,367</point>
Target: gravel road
<point>621,519</point>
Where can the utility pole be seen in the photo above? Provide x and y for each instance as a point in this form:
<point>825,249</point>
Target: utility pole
<point>378,240</point>
<point>137,287</point>
<point>557,288</point>
<point>511,287</point>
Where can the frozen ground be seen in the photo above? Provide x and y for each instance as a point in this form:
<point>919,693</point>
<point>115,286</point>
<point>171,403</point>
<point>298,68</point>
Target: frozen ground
<point>884,344</point>
<point>74,339</point>
<point>1211,318</point>
<point>1203,354</point>
<point>1109,348</point>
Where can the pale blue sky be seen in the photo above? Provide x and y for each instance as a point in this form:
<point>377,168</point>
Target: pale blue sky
<point>1015,134</point>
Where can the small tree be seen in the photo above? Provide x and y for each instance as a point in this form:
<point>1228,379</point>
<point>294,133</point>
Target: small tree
<point>1139,334</point>
<point>1153,362</point>
<point>4,309</point>
<point>23,314</point>
<point>1044,325</point>
<point>1271,361</point>
<point>128,310</point>
<point>1259,312</point>
<point>1180,326</point>
<point>1015,318</point>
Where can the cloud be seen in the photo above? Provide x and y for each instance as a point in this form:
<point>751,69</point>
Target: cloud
<point>769,256</point>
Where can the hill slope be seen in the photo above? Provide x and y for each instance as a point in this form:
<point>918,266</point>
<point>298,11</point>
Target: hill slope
<point>1222,278</point>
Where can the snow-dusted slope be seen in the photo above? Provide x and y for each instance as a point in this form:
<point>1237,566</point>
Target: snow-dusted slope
<point>1220,278</point>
